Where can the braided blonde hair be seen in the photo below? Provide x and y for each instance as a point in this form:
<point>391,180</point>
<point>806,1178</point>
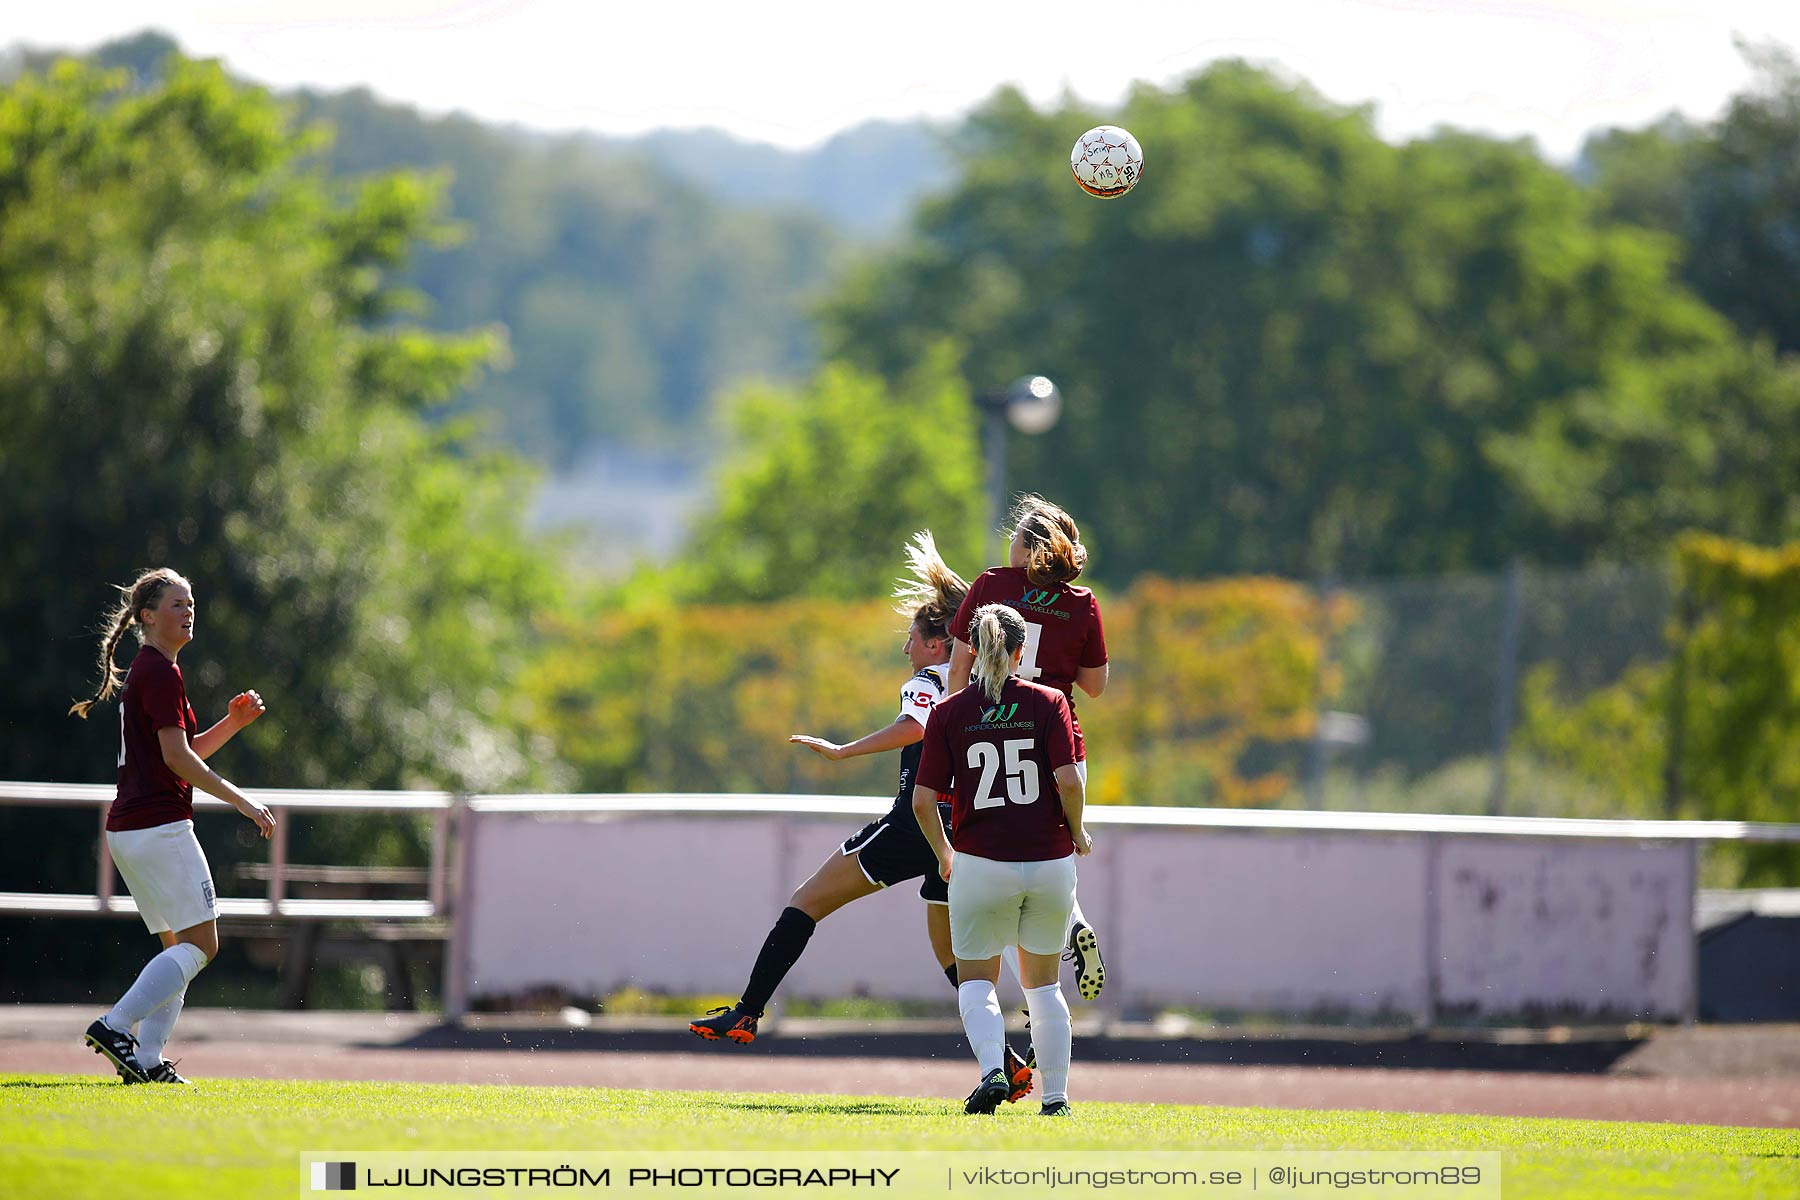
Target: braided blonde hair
<point>143,592</point>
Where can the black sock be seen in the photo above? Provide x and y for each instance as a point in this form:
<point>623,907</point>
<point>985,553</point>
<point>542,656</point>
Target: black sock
<point>950,974</point>
<point>780,952</point>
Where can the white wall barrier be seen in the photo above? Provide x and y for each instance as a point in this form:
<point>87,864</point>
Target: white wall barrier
<point>1292,912</point>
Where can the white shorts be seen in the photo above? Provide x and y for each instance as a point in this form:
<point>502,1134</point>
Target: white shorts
<point>167,874</point>
<point>998,904</point>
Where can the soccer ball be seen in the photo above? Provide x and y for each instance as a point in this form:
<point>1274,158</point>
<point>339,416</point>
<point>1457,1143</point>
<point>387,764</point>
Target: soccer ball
<point>1107,161</point>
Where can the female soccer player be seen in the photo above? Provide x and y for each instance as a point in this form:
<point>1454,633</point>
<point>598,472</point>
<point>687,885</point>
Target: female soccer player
<point>150,827</point>
<point>1065,648</point>
<point>1005,749</point>
<point>886,851</point>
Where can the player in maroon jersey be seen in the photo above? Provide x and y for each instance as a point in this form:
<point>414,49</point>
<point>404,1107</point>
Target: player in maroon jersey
<point>1005,749</point>
<point>1065,648</point>
<point>150,827</point>
<point>888,850</point>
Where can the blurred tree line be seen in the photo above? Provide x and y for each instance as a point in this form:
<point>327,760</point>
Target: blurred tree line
<point>1711,732</point>
<point>630,296</point>
<point>203,364</point>
<point>1299,349</point>
<point>1212,701</point>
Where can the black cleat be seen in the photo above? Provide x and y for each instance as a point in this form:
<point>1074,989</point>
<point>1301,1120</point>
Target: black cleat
<point>1056,1108</point>
<point>733,1021</point>
<point>1030,1046</point>
<point>988,1094</point>
<point>1018,1076</point>
<point>118,1048</point>
<point>162,1072</point>
<point>1084,952</point>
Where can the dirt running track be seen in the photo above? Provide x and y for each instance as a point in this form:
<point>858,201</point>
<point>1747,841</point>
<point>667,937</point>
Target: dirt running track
<point>1709,1101</point>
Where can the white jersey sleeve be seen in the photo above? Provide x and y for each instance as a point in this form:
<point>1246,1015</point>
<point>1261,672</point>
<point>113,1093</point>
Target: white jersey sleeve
<point>921,693</point>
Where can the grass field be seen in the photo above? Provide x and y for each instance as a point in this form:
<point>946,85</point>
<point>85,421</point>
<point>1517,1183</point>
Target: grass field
<point>75,1136</point>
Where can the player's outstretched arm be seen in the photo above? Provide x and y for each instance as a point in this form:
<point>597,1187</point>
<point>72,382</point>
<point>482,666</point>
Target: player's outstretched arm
<point>903,732</point>
<point>244,708</point>
<point>182,760</point>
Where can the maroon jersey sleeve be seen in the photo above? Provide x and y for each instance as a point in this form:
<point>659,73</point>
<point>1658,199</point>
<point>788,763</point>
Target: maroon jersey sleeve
<point>1093,650</point>
<point>162,698</point>
<point>934,759</point>
<point>1059,733</point>
<point>965,613</point>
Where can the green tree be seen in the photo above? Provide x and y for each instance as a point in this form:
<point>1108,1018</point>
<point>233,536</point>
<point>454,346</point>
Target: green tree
<point>1728,190</point>
<point>821,487</point>
<point>1295,348</point>
<point>1711,734</point>
<point>632,295</point>
<point>201,364</point>
<point>632,298</point>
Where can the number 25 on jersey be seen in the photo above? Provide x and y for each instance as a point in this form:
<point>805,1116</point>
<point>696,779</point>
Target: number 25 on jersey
<point>1021,772</point>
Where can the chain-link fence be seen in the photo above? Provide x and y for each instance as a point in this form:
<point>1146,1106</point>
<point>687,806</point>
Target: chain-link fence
<point>1436,680</point>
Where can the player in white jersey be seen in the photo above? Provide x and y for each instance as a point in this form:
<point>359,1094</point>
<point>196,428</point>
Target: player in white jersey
<point>890,849</point>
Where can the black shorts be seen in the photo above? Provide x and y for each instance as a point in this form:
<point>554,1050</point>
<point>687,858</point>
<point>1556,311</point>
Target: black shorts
<point>892,850</point>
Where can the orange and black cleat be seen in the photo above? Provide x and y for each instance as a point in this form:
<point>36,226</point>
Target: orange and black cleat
<point>734,1022</point>
<point>1018,1076</point>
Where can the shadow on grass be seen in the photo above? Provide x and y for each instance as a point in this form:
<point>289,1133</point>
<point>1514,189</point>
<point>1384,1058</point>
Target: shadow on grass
<point>798,1106</point>
<point>1399,1051</point>
<point>59,1083</point>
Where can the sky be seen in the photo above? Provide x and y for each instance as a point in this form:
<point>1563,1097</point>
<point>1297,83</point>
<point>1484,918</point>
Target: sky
<point>793,72</point>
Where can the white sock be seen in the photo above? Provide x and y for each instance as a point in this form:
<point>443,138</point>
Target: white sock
<point>982,1022</point>
<point>1051,1037</point>
<point>154,1030</point>
<point>163,976</point>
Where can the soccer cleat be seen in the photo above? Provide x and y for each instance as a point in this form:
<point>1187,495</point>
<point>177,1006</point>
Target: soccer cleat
<point>1056,1108</point>
<point>988,1094</point>
<point>733,1021</point>
<point>119,1048</point>
<point>1018,1075</point>
<point>1084,952</point>
<point>162,1072</point>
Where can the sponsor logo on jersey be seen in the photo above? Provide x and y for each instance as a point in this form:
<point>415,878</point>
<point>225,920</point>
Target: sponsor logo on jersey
<point>206,890</point>
<point>919,699</point>
<point>1040,601</point>
<point>1000,716</point>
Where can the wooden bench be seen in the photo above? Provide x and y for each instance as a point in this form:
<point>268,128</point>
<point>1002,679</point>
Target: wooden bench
<point>395,944</point>
<point>341,919</point>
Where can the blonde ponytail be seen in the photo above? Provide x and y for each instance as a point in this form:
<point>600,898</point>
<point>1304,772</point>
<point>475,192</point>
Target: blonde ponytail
<point>999,631</point>
<point>144,592</point>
